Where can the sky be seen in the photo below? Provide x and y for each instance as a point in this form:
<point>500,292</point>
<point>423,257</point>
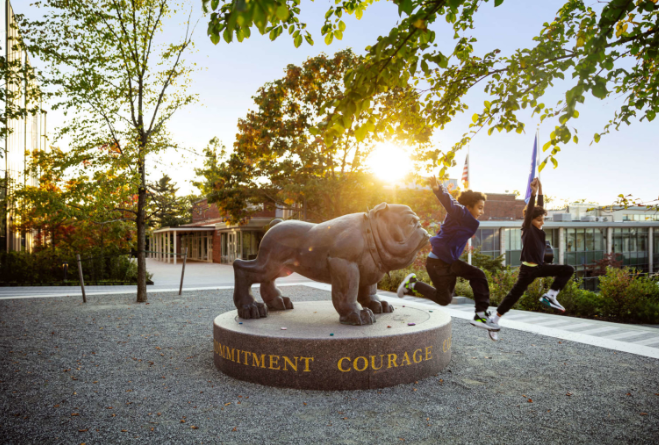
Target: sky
<point>622,162</point>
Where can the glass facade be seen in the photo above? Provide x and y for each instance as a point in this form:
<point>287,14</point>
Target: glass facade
<point>487,240</point>
<point>655,249</point>
<point>251,242</point>
<point>632,246</point>
<point>584,247</point>
<point>23,135</point>
<point>513,247</point>
<point>640,218</point>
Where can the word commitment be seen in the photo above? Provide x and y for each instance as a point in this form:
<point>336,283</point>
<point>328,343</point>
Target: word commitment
<point>266,361</point>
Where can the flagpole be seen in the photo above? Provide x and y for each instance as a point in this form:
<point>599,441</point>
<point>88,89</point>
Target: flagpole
<point>469,186</point>
<point>537,138</point>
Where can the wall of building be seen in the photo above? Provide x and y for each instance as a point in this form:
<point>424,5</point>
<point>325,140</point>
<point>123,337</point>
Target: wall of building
<point>578,244</point>
<point>501,206</point>
<point>24,135</point>
<point>202,211</point>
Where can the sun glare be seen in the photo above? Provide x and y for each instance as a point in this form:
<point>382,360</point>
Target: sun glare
<point>389,162</point>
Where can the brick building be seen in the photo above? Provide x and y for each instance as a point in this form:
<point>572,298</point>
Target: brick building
<point>503,207</point>
<point>210,238</point>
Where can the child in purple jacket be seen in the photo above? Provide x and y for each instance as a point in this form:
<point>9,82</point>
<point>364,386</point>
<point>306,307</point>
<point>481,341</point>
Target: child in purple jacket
<point>443,263</point>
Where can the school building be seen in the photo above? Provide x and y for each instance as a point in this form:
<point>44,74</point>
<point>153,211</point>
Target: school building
<point>582,234</point>
<point>23,135</point>
<point>210,238</point>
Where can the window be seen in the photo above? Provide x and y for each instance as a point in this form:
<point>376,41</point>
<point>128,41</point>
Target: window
<point>487,240</point>
<point>640,217</point>
<point>632,246</point>
<point>584,247</point>
<point>513,247</point>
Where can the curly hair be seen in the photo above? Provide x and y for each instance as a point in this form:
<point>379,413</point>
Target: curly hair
<point>470,198</point>
<point>537,211</point>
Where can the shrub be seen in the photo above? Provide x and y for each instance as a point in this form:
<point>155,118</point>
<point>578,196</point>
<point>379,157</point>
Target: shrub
<point>391,280</point>
<point>619,293</point>
<point>624,295</point>
<point>46,267</point>
<point>500,284</point>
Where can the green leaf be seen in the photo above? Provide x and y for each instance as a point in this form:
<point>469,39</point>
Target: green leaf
<point>599,89</point>
<point>297,41</point>
<point>214,4</point>
<point>215,38</point>
<point>282,12</point>
<point>575,139</point>
<point>228,35</point>
<point>497,3</point>
<point>308,38</point>
<point>338,34</point>
<point>474,118</point>
<point>342,26</point>
<point>328,38</point>
<point>596,137</point>
<point>406,6</point>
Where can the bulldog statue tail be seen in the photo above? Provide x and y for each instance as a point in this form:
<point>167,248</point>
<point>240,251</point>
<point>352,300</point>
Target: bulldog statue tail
<point>352,253</point>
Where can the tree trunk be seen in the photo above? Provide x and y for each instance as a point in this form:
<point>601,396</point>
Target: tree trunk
<point>141,236</point>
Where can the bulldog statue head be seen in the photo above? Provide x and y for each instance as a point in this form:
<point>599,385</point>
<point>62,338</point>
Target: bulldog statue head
<point>398,234</point>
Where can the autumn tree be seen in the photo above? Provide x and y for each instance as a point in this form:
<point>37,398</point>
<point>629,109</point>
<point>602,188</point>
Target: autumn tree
<point>119,87</point>
<point>604,49</point>
<point>73,215</point>
<point>279,156</point>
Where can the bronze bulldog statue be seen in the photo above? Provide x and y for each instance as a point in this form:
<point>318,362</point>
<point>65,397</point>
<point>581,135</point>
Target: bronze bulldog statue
<point>352,253</point>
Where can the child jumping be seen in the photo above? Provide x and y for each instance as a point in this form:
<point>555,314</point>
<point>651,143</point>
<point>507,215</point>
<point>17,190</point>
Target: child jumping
<point>443,263</point>
<point>533,254</point>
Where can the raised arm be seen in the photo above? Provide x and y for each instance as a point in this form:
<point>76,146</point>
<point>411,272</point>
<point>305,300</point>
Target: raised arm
<point>448,202</point>
<point>528,217</point>
<point>541,200</point>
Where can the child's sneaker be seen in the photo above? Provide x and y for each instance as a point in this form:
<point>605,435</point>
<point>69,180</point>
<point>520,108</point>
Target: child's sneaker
<point>404,287</point>
<point>485,322</point>
<point>551,302</point>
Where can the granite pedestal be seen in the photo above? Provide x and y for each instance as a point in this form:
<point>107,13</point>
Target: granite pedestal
<point>315,351</point>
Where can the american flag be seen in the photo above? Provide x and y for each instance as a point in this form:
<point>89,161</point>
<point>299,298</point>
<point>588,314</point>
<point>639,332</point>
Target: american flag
<point>465,173</point>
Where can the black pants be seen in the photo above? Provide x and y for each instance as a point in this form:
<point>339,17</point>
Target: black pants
<point>527,275</point>
<point>444,276</point>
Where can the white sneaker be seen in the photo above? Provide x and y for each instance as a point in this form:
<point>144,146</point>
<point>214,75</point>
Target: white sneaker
<point>485,322</point>
<point>551,302</point>
<point>403,287</point>
<point>494,335</point>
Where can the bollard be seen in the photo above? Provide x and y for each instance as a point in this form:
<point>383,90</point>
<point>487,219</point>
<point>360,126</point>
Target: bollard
<point>82,281</point>
<point>185,257</point>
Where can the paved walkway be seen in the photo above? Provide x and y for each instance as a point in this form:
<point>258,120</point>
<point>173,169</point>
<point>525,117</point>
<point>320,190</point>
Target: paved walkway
<point>166,277</point>
<point>634,339</point>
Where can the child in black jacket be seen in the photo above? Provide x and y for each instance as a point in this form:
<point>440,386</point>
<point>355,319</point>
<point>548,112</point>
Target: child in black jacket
<point>533,253</point>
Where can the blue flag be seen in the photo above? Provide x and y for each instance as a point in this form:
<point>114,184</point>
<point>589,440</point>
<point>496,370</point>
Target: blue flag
<point>532,172</point>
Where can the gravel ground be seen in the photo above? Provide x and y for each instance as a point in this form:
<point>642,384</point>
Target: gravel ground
<point>113,371</point>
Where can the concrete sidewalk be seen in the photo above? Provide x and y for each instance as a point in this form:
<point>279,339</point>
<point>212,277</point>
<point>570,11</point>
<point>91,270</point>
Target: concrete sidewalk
<point>632,338</point>
<point>166,277</point>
